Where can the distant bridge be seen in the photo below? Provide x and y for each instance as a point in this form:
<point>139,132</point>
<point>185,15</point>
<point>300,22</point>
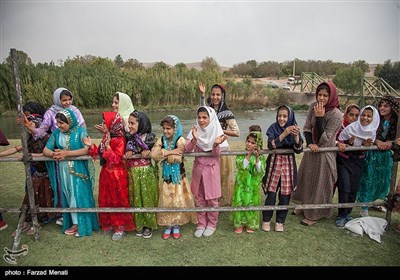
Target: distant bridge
<point>370,89</point>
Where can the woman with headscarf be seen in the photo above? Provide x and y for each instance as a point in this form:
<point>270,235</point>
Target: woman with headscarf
<point>62,99</point>
<point>349,164</point>
<point>113,180</point>
<point>40,180</point>
<point>376,174</point>
<point>206,136</point>
<point>317,172</point>
<point>217,101</point>
<point>174,190</point>
<point>121,104</point>
<point>73,178</point>
<point>281,171</point>
<point>143,175</point>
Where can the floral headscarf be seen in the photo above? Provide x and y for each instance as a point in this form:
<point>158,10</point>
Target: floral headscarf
<point>135,142</point>
<point>114,123</point>
<point>171,171</point>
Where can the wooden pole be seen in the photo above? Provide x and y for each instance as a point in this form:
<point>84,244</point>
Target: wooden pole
<point>26,157</point>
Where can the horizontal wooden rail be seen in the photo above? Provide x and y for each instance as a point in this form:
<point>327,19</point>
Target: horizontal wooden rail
<point>195,209</point>
<point>206,154</point>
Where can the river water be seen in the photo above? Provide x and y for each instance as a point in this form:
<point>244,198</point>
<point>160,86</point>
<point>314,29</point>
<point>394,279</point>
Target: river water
<point>188,119</point>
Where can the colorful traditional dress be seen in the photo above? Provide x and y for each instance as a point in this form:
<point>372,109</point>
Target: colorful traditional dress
<point>40,178</point>
<point>247,188</point>
<point>73,178</point>
<point>206,182</point>
<point>376,174</point>
<point>113,181</point>
<point>227,120</point>
<point>174,191</point>
<point>143,175</point>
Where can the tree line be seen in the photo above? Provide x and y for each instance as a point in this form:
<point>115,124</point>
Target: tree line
<point>93,80</point>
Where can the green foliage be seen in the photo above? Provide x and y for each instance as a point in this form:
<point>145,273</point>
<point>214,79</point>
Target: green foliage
<point>119,62</point>
<point>209,64</point>
<point>362,64</point>
<point>22,58</point>
<point>272,68</point>
<point>349,79</point>
<point>390,72</point>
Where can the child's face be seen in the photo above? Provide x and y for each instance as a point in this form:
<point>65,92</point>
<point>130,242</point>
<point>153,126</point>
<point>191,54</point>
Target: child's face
<point>366,117</point>
<point>66,101</point>
<point>251,143</point>
<point>203,119</point>
<point>352,115</point>
<point>385,109</point>
<point>168,130</point>
<point>63,126</point>
<point>133,124</point>
<point>216,96</point>
<point>115,104</point>
<point>283,116</point>
<point>323,96</point>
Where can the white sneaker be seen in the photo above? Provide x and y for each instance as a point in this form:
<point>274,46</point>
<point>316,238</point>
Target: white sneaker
<point>199,232</point>
<point>117,235</point>
<point>209,231</point>
<point>59,221</point>
<point>364,213</point>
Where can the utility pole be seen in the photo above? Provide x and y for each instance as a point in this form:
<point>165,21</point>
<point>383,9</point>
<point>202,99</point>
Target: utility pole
<point>294,68</point>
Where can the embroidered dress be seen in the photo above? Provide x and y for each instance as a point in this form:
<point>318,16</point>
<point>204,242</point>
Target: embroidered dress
<point>40,178</point>
<point>376,173</point>
<point>74,179</point>
<point>113,180</point>
<point>247,191</point>
<point>143,176</point>
<point>174,191</point>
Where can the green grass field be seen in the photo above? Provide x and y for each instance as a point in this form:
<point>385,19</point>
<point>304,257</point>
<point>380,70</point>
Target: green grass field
<point>321,245</point>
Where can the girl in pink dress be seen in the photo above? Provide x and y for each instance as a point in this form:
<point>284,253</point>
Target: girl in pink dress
<point>206,136</point>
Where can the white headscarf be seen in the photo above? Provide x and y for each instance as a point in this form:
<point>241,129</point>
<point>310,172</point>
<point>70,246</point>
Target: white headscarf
<point>208,134</point>
<point>125,106</point>
<point>57,106</point>
<point>359,131</point>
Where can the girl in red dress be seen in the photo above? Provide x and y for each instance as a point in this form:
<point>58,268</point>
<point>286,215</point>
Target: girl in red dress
<point>113,181</point>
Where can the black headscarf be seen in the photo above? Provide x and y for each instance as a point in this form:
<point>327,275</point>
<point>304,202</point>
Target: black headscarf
<point>223,112</point>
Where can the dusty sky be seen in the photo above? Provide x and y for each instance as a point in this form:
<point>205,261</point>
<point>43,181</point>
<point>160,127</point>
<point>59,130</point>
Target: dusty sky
<point>188,31</point>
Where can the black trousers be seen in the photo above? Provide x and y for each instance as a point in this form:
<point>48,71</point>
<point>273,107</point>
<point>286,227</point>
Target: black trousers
<point>270,200</point>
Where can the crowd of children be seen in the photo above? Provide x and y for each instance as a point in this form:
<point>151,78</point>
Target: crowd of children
<point>130,155</point>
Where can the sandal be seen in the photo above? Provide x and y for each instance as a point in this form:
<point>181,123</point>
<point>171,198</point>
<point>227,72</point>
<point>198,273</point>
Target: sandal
<point>175,233</point>
<point>307,222</point>
<point>167,233</point>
